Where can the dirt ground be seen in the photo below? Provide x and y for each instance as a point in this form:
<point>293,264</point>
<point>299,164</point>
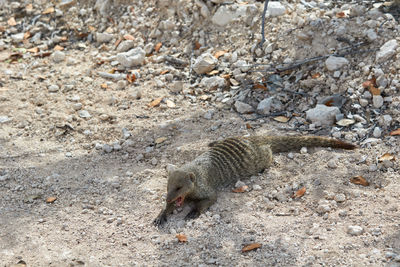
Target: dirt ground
<point>83,190</point>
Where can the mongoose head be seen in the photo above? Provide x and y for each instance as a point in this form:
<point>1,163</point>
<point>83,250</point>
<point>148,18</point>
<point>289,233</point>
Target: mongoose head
<point>180,184</point>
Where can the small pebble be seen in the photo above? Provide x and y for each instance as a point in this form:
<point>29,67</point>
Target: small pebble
<point>377,132</point>
<point>355,230</point>
<point>340,198</point>
<point>303,150</point>
<point>107,148</point>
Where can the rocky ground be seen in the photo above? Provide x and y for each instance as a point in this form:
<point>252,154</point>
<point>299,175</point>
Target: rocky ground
<point>97,97</point>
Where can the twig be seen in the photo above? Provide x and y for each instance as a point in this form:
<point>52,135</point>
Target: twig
<point>263,23</point>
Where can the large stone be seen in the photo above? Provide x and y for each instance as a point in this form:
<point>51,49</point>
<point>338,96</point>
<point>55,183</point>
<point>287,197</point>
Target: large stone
<point>275,9</point>
<point>223,16</point>
<point>204,63</point>
<point>386,51</point>
<point>243,108</point>
<point>215,82</point>
<point>334,63</point>
<point>322,114</point>
<point>268,104</point>
<point>133,57</point>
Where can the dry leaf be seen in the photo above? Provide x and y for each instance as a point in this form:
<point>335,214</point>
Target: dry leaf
<point>374,91</point>
<point>48,10</point>
<point>240,189</point>
<point>248,126</point>
<point>58,48</point>
<point>104,86</point>
<point>281,119</point>
<point>33,50</point>
<point>50,199</point>
<point>359,180</point>
<point>181,238</point>
<point>131,78</point>
<point>112,71</point>
<point>340,15</point>
<point>161,140</point>
<point>299,193</point>
<point>226,76</point>
<point>345,122</point>
<point>118,42</point>
<point>29,8</point>
<point>157,47</point>
<point>316,75</point>
<point>91,28</point>
<point>11,21</point>
<point>213,72</point>
<point>260,86</point>
<point>197,45</point>
<point>155,103</point>
<point>164,72</point>
<point>386,156</point>
<point>64,38</point>
<point>27,35</point>
<point>371,82</point>
<point>251,247</point>
<point>395,132</point>
<point>220,53</point>
<point>128,37</point>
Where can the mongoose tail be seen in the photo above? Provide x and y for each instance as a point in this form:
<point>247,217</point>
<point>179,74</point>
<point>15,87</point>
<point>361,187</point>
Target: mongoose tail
<point>290,143</point>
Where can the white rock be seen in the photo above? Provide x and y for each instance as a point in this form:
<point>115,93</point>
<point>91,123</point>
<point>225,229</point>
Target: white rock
<point>133,57</point>
<point>264,107</point>
<point>363,102</point>
<point>275,9</point>
<point>322,114</point>
<point>323,208</point>
<point>332,164</point>
<point>204,63</point>
<point>58,56</point>
<point>243,107</point>
<point>4,119</point>
<point>103,37</point>
<point>257,187</point>
<point>107,148</point>
<point>371,35</point>
<point>334,63</point>
<point>377,132</point>
<point>340,198</point>
<point>18,37</point>
<point>355,230</point>
<point>303,150</point>
<point>84,114</point>
<point>53,88</point>
<point>214,82</point>
<point>125,45</point>
<point>223,16</point>
<point>377,101</point>
<point>387,51</point>
<point>381,81</point>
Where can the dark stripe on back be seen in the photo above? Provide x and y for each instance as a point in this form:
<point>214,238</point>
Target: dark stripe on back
<point>236,153</point>
<point>228,159</point>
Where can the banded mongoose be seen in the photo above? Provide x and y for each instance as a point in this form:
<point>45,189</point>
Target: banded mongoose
<point>224,163</point>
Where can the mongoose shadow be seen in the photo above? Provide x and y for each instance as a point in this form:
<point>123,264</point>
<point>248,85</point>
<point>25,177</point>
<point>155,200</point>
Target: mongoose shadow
<point>224,163</point>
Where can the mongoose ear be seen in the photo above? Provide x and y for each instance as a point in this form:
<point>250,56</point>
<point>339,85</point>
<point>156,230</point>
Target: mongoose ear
<point>170,168</point>
<point>191,176</point>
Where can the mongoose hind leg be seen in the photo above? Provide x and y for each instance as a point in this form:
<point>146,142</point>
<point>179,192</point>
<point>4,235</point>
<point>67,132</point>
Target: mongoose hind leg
<point>200,206</point>
<point>266,157</point>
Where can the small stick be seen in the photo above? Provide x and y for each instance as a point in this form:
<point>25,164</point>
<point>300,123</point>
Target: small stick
<point>263,23</point>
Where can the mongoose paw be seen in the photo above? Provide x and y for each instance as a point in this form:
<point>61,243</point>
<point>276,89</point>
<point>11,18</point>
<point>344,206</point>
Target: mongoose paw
<point>160,220</point>
<point>192,215</point>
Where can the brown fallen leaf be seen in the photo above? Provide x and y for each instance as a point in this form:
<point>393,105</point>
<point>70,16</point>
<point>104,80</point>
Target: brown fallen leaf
<point>340,14</point>
<point>27,35</point>
<point>374,91</point>
<point>129,37</point>
<point>299,193</point>
<point>386,156</point>
<point>220,53</point>
<point>240,189</point>
<point>181,238</point>
<point>395,132</point>
<point>29,8</point>
<point>50,199</point>
<point>58,48</point>
<point>359,180</point>
<point>251,247</point>
<point>48,10</point>
<point>131,78</point>
<point>11,21</point>
<point>33,50</point>
<point>157,47</point>
<point>118,42</point>
<point>155,102</point>
<point>248,126</point>
<point>164,72</point>
<point>104,86</point>
<point>260,86</point>
<point>91,28</point>
<point>316,75</point>
<point>281,119</point>
<point>160,140</point>
<point>197,45</point>
<point>213,72</point>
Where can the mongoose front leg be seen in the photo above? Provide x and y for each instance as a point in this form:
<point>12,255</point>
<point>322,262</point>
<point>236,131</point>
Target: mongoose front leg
<point>162,217</point>
<point>200,207</point>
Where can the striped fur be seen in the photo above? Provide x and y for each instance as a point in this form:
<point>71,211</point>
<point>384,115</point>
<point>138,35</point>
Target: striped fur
<point>227,161</point>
